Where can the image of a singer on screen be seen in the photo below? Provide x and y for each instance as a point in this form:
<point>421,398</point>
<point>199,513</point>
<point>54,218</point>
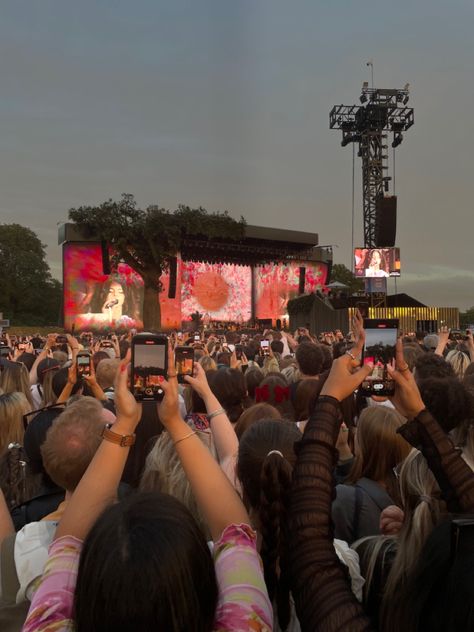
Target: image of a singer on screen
<point>375,264</point>
<point>113,303</point>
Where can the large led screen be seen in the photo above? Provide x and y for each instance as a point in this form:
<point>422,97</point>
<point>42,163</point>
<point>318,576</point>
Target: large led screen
<point>276,283</point>
<point>97,301</point>
<point>221,290</point>
<point>376,262</point>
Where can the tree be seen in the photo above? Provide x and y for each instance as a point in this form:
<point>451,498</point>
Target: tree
<point>28,293</point>
<point>148,239</point>
<point>340,273</point>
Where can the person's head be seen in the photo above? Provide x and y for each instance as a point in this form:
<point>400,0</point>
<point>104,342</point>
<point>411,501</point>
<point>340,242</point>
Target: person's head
<point>127,295</point>
<point>277,346</point>
<point>167,578</point>
<point>253,378</point>
<point>254,414</point>
<point>28,359</point>
<point>375,259</point>
<point>207,363</point>
<point>411,352</point>
<point>45,371</point>
<point>379,448</point>
<point>60,379</point>
<point>14,378</point>
<point>432,365</point>
<point>12,408</point>
<point>447,400</point>
<point>72,441</point>
<point>274,390</point>
<point>430,342</point>
<point>228,385</point>
<point>164,473</point>
<point>310,358</point>
<point>459,361</point>
<point>106,372</point>
<point>265,464</point>
<point>306,392</point>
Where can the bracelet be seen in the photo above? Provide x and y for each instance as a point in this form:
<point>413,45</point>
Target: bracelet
<point>185,437</point>
<point>220,411</point>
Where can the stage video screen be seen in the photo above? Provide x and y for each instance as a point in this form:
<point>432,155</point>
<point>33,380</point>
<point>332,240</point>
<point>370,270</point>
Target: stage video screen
<point>94,301</point>
<point>276,283</point>
<point>376,262</point>
<point>221,291</point>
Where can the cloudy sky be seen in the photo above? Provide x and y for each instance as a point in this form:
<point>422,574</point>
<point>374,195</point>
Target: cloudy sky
<point>226,105</point>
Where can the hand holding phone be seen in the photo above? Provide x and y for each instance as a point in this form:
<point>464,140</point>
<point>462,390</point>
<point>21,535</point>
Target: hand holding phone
<point>184,362</point>
<point>149,366</point>
<point>379,349</point>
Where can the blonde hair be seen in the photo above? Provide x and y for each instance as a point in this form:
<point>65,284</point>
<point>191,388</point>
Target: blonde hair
<point>106,372</point>
<point>12,408</point>
<point>15,379</point>
<point>381,448</point>
<point>208,363</point>
<point>164,473</point>
<point>422,507</point>
<point>459,361</point>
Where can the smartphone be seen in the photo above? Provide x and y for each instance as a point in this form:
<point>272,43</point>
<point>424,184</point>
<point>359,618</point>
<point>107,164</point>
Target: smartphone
<point>197,338</point>
<point>380,342</point>
<point>83,364</point>
<point>265,347</point>
<point>184,360</point>
<point>239,351</point>
<point>149,366</point>
<point>61,340</point>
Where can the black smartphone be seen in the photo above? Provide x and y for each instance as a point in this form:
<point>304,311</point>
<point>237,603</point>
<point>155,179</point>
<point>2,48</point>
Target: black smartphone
<point>61,340</point>
<point>83,364</point>
<point>184,361</point>
<point>149,366</point>
<point>265,347</point>
<point>239,351</point>
<point>380,342</point>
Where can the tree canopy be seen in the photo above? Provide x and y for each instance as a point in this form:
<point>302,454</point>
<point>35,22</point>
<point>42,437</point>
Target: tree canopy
<point>147,239</point>
<point>28,293</point>
<point>339,272</point>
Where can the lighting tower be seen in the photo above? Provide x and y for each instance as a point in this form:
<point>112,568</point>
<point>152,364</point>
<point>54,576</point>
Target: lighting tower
<point>381,112</point>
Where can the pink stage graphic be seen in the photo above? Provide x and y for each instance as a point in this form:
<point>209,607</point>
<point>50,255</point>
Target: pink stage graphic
<point>93,300</point>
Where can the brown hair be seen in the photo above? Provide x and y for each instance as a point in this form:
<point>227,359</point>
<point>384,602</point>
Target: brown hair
<point>255,413</point>
<point>72,441</point>
<point>306,392</point>
<point>12,408</point>
<point>380,448</point>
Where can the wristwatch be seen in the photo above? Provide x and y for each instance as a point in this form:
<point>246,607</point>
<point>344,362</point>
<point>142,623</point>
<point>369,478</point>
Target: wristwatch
<point>122,440</point>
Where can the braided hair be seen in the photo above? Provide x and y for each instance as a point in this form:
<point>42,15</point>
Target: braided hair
<point>265,466</point>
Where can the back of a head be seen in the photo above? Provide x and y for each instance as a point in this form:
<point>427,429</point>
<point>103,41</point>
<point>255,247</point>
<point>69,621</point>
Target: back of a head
<point>447,400</point>
<point>277,346</point>
<point>274,390</point>
<point>306,392</point>
<point>411,353</point>
<point>12,408</point>
<point>430,342</point>
<point>380,447</point>
<point>60,379</point>
<point>15,378</point>
<point>167,578</point>
<point>459,361</point>
<point>254,414</point>
<point>253,378</point>
<point>72,441</point>
<point>432,365</point>
<point>228,385</point>
<point>310,358</point>
<point>265,465</point>
<point>106,371</point>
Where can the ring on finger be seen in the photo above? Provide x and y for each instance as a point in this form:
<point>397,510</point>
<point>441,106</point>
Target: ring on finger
<point>172,374</point>
<point>405,368</point>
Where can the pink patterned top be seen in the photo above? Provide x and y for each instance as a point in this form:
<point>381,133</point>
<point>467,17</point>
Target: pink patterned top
<point>243,600</point>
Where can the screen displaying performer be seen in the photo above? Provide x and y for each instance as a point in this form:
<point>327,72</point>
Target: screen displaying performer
<point>377,262</point>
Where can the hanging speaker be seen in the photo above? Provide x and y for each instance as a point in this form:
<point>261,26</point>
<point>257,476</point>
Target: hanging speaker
<point>105,257</point>
<point>173,274</point>
<point>385,221</point>
<point>302,280</point>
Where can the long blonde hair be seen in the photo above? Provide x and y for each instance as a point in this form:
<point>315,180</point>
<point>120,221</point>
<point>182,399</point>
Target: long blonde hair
<point>381,448</point>
<point>15,379</point>
<point>12,408</point>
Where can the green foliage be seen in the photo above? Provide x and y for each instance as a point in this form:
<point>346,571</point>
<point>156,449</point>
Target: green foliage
<point>146,239</point>
<point>466,318</point>
<point>28,293</point>
<point>342,274</point>
<point>301,305</point>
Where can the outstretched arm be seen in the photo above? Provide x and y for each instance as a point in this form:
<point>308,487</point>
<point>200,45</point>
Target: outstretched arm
<point>319,582</point>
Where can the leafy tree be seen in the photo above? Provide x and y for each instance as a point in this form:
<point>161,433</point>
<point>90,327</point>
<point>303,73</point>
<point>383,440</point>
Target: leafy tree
<point>341,273</point>
<point>28,293</point>
<point>147,239</point>
<point>466,318</point>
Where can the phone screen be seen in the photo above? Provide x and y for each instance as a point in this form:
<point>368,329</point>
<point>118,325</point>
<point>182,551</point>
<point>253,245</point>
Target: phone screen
<point>380,341</point>
<point>83,364</point>
<point>184,359</point>
<point>265,345</point>
<point>149,366</point>
<point>197,337</point>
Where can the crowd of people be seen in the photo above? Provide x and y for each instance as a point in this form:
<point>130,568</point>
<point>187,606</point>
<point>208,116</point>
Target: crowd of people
<point>262,493</point>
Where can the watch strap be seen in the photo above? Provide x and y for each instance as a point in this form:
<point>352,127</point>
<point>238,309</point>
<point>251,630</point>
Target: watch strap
<point>122,440</point>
